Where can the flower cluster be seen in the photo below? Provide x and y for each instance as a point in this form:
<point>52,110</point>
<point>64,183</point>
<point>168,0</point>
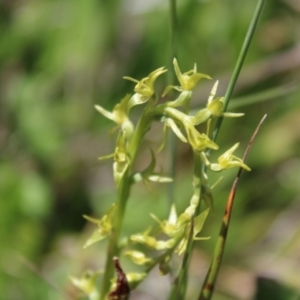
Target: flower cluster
<point>174,115</point>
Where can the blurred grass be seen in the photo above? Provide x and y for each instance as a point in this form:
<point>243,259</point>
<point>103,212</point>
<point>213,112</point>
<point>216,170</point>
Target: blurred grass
<point>58,58</point>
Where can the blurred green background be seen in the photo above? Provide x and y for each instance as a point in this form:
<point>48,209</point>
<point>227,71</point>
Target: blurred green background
<point>60,57</point>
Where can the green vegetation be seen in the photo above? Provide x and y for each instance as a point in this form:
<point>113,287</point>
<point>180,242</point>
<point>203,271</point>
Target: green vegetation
<point>60,58</point>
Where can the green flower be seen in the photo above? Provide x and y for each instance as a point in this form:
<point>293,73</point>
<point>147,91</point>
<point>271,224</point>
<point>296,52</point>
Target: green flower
<point>152,242</point>
<point>88,284</point>
<point>135,278</point>
<point>214,108</point>
<point>139,257</point>
<point>119,115</point>
<point>198,225</point>
<point>146,239</point>
<point>227,161</point>
<point>215,105</point>
<point>178,227</point>
<point>121,158</point>
<point>198,141</point>
<point>170,226</point>
<point>104,226</point>
<point>144,88</point>
<point>187,80</point>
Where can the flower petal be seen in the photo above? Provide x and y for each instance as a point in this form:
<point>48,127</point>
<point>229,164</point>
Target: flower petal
<point>170,123</point>
<point>106,113</point>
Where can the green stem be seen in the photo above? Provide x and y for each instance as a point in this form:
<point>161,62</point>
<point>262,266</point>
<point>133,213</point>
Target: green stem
<point>186,261</point>
<point>208,286</point>
<point>123,195</point>
<point>209,282</point>
<point>113,245</point>
<point>239,64</point>
<point>174,34</point>
<point>180,283</point>
<point>171,141</point>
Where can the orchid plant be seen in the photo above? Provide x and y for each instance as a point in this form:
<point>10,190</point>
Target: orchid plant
<point>180,230</point>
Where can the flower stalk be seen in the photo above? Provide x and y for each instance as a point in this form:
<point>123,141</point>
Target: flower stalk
<point>123,194</point>
<point>179,231</point>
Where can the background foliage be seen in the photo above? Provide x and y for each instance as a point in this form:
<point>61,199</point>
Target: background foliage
<point>58,58</point>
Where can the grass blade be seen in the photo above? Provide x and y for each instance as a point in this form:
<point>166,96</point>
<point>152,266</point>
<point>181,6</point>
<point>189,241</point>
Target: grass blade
<point>239,64</point>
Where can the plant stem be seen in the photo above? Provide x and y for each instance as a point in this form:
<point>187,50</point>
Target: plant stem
<point>174,34</point>
<point>113,245</point>
<point>180,283</point>
<point>208,285</point>
<point>239,64</point>
<point>171,141</point>
<point>123,195</point>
